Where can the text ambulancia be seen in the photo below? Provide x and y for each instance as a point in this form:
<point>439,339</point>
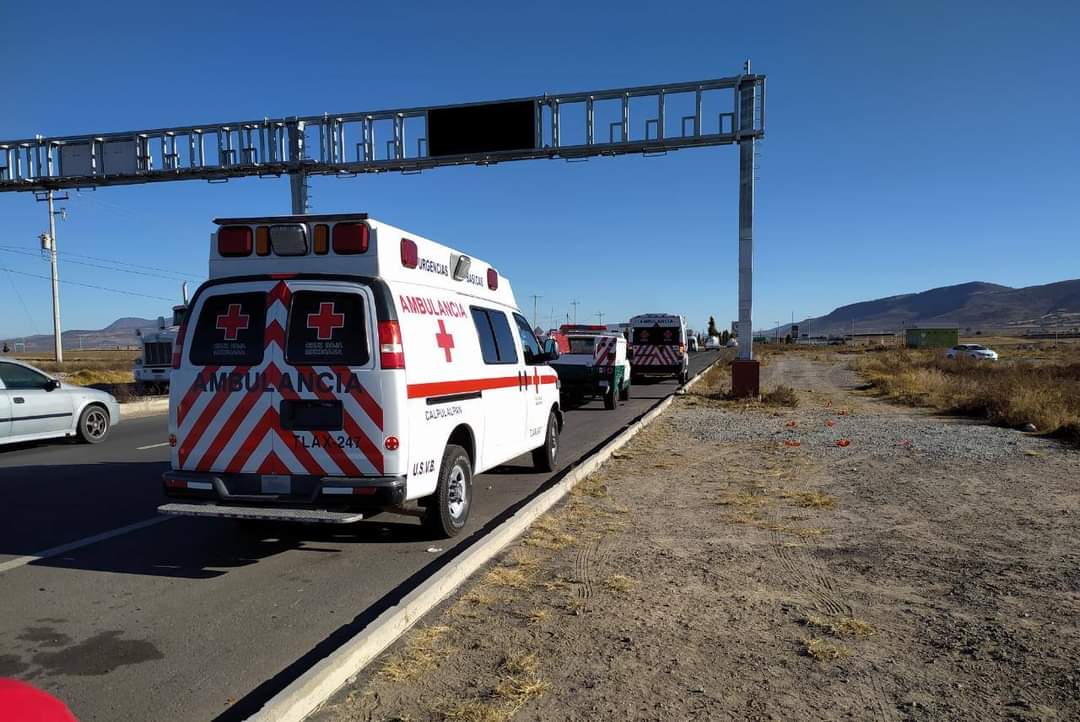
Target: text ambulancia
<point>334,366</point>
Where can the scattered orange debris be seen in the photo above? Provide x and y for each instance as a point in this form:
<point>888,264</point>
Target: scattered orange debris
<point>792,442</point>
<point>792,424</point>
<point>830,422</point>
<point>843,442</point>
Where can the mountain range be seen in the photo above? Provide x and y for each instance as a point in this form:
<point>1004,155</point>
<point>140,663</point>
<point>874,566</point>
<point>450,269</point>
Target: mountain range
<point>118,334</point>
<point>973,307</point>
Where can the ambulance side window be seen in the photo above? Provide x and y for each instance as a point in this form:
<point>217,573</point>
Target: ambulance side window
<point>533,353</point>
<point>230,330</point>
<point>496,340</point>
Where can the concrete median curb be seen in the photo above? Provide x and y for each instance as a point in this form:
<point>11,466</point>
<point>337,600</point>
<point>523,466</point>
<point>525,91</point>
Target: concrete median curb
<point>144,407</point>
<point>319,683</point>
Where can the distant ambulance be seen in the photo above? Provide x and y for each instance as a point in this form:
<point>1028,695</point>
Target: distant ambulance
<point>334,366</point>
<point>658,346</point>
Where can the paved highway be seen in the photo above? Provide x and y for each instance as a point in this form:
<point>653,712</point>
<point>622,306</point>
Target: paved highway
<point>127,615</point>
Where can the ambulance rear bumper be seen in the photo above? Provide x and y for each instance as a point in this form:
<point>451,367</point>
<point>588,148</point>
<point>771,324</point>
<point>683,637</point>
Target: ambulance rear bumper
<point>298,491</point>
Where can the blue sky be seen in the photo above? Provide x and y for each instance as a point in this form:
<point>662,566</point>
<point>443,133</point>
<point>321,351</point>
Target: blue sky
<point>909,145</point>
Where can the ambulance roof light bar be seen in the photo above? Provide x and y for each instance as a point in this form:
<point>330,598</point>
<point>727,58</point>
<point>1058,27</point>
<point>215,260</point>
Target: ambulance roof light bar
<point>307,218</point>
<point>665,117</point>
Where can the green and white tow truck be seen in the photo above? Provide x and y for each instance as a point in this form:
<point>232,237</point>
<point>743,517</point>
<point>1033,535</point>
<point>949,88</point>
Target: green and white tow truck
<point>591,363</point>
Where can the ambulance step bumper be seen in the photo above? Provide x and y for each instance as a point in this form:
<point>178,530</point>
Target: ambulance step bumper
<point>303,516</point>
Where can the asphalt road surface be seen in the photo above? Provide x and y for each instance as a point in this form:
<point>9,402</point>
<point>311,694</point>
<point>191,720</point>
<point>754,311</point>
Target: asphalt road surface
<point>127,615</point>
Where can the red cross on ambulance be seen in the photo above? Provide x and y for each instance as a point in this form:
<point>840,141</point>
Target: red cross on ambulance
<point>325,321</point>
<point>444,340</point>
<point>232,322</point>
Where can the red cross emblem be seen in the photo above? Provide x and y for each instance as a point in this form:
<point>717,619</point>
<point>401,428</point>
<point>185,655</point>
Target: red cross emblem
<point>536,379</point>
<point>444,340</point>
<point>325,322</point>
<point>232,322</point>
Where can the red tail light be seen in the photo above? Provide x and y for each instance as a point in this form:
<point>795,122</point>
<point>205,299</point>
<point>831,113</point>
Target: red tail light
<point>234,241</point>
<point>350,238</point>
<point>391,352</point>
<point>410,256</point>
<point>493,279</point>
<point>682,348</point>
<point>178,345</point>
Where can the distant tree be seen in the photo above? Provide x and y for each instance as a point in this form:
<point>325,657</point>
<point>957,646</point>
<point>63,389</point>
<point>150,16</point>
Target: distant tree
<point>725,336</point>
<point>712,327</point>
<point>6,349</point>
<point>787,339</point>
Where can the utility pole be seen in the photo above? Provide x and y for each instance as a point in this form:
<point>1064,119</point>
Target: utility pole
<point>574,303</point>
<point>600,315</point>
<point>535,298</point>
<point>48,243</point>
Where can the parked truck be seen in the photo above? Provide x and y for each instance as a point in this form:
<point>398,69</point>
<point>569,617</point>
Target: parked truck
<point>153,368</point>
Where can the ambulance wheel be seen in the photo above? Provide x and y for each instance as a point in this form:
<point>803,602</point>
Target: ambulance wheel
<point>544,457</point>
<point>611,398</point>
<point>448,508</point>
<point>624,395</point>
<point>684,378</point>
<point>93,424</point>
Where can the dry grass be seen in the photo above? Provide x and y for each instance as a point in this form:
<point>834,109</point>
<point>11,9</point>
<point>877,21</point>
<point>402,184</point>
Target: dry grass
<point>824,650</point>
<point>781,396</point>
<point>1005,393</point>
<point>512,577</point>
<point>620,583</point>
<point>840,626</point>
<point>547,533</point>
<point>475,711</point>
<point>539,616</point>
<point>423,649</point>
<point>809,499</point>
<point>86,377</point>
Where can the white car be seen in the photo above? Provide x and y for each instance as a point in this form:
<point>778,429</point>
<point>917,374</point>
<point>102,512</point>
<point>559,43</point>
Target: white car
<point>972,350</point>
<point>712,342</point>
<point>36,406</point>
<point>732,343</point>
<point>692,344</point>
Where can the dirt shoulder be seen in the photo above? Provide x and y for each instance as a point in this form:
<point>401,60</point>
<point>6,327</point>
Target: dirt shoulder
<point>740,562</point>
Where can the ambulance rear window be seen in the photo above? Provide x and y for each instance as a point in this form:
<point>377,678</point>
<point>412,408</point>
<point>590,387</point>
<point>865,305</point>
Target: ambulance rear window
<point>230,330</point>
<point>657,336</point>
<point>326,328</point>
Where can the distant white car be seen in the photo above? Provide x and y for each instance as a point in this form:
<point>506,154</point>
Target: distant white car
<point>712,342</point>
<point>732,343</point>
<point>35,406</point>
<point>692,344</point>
<point>973,351</point>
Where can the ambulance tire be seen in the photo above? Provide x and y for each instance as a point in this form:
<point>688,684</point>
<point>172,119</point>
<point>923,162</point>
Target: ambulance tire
<point>94,424</point>
<point>447,510</point>
<point>624,395</point>
<point>611,398</point>
<point>545,457</point>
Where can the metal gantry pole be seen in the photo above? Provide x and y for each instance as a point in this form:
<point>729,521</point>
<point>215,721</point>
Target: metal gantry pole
<point>57,341</point>
<point>746,217</point>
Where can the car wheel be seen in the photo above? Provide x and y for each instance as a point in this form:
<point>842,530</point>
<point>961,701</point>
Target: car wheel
<point>93,424</point>
<point>624,395</point>
<point>544,457</point>
<point>448,508</point>
<point>611,398</point>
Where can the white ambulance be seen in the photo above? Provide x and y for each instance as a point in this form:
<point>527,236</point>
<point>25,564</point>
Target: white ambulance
<point>334,366</point>
<point>658,346</point>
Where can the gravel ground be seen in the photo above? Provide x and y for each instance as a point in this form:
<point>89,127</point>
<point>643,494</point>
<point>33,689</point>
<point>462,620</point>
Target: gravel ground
<point>712,571</point>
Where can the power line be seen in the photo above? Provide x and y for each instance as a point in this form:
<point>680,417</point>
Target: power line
<point>22,301</point>
<point>174,277</point>
<point>88,285</point>
<point>68,256</point>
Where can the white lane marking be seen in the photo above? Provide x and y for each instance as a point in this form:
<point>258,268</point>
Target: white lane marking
<point>151,446</point>
<point>63,548</point>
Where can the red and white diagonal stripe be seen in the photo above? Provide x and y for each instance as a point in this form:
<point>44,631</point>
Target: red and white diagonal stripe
<point>241,432</point>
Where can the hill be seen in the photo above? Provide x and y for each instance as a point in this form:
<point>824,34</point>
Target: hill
<point>120,333</point>
<point>975,306</point>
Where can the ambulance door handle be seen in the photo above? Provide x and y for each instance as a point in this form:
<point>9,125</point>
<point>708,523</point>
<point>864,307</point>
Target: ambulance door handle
<point>19,400</point>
